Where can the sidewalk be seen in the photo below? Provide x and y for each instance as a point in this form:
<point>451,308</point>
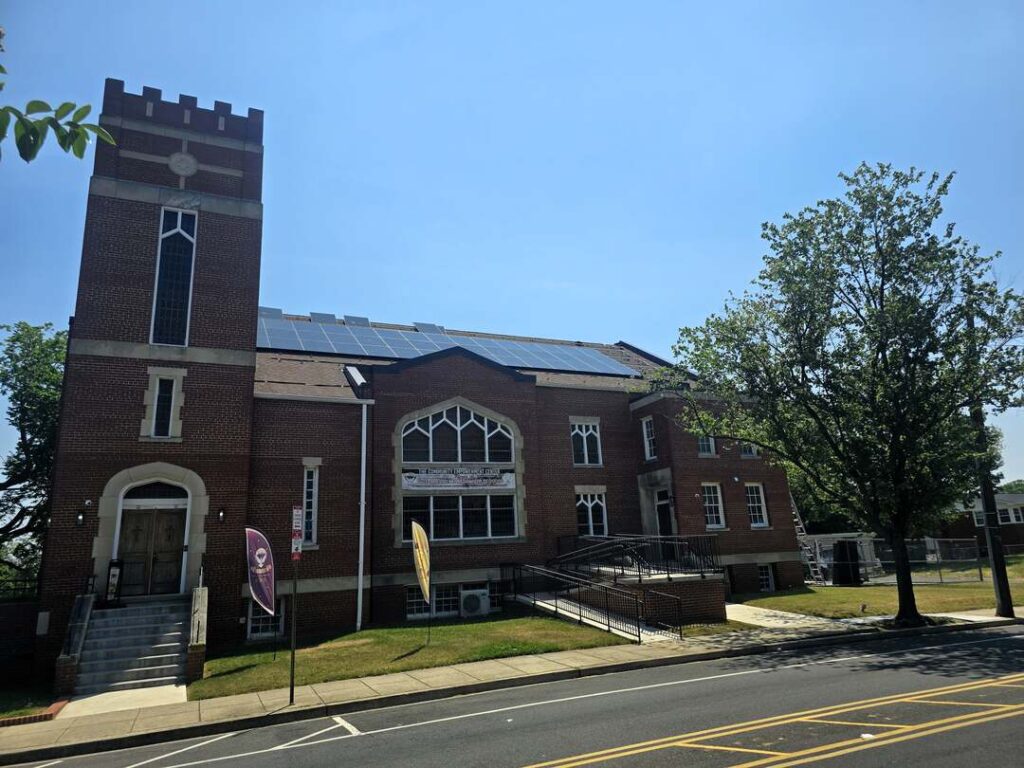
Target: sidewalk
<point>145,725</point>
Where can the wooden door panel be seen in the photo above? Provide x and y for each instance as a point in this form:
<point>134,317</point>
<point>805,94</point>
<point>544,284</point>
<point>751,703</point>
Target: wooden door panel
<point>151,549</point>
<point>168,535</point>
<point>136,536</point>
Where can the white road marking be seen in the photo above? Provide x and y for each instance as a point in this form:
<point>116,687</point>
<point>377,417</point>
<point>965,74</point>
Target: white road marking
<point>309,735</point>
<point>580,697</point>
<point>347,725</point>
<point>179,751</point>
<point>47,765</point>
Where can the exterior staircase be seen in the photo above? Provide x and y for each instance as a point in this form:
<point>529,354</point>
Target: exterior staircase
<point>140,645</point>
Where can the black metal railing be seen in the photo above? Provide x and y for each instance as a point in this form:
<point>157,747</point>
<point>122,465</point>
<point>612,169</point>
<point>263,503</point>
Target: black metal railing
<point>638,557</point>
<point>18,589</point>
<point>573,597</point>
<point>664,610</point>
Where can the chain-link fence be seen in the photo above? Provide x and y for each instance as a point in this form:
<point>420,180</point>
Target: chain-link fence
<point>850,561</point>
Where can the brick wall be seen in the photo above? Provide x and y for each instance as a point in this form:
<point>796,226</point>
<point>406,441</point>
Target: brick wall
<point>677,451</point>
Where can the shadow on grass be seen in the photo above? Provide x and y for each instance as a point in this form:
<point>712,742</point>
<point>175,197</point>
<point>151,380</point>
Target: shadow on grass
<point>407,654</point>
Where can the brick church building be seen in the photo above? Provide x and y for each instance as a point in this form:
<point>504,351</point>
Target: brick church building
<point>190,412</point>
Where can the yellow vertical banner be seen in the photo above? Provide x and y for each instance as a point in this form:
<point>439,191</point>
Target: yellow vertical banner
<point>421,558</point>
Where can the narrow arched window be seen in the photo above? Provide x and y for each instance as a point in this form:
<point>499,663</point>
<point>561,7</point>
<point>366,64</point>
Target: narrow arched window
<point>172,294</point>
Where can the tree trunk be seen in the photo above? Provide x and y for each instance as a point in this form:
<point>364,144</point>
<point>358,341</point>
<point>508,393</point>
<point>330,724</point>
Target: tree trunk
<point>908,615</point>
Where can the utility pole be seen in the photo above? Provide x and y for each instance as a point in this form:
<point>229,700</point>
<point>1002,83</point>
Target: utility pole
<point>993,536</point>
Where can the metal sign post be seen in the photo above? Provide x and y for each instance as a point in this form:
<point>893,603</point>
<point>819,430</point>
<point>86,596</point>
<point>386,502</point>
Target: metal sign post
<point>297,521</point>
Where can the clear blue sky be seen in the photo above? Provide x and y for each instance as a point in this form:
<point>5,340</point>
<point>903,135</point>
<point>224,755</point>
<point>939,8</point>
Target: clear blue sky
<point>584,170</point>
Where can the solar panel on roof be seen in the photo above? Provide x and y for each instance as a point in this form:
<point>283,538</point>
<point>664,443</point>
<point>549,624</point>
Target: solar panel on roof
<point>322,317</point>
<point>428,328</point>
<point>360,339</point>
<point>363,322</point>
<point>270,312</point>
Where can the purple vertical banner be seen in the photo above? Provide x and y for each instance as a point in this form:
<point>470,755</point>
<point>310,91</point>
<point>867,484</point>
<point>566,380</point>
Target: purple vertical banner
<point>261,569</point>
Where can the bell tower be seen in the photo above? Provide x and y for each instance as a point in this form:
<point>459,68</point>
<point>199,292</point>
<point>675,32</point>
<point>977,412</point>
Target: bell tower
<point>158,391</point>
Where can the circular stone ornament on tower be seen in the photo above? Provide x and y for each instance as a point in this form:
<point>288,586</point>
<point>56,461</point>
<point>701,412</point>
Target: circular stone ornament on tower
<point>183,164</point>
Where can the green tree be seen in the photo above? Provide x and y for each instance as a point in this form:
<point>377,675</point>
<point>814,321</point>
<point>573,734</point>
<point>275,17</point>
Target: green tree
<point>31,377</point>
<point>33,123</point>
<point>1014,486</point>
<point>852,359</point>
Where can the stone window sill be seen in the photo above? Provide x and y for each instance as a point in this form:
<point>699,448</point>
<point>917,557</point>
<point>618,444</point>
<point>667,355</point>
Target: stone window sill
<point>149,439</point>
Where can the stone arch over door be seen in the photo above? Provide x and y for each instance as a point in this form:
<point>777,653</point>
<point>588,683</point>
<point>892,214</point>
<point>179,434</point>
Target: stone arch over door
<point>109,514</point>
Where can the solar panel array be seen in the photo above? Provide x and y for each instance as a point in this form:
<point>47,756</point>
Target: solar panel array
<point>279,333</point>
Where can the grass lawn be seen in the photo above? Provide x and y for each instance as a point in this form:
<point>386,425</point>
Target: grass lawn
<point>844,602</point>
<point>23,700</point>
<point>964,572</point>
<point>395,649</point>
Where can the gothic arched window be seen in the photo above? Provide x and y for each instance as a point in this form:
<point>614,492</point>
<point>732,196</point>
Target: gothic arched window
<point>457,435</point>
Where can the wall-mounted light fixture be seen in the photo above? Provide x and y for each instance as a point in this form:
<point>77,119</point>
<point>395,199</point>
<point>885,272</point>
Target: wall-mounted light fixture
<point>80,517</point>
<point>220,515</point>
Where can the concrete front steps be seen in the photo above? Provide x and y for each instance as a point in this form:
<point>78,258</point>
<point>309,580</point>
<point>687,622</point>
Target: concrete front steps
<point>141,645</point>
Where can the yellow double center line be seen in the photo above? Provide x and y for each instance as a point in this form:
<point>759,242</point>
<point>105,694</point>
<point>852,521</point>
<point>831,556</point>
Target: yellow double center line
<point>779,760</point>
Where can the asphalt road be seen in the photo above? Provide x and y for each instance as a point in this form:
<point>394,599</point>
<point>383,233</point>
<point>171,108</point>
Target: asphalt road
<point>946,700</point>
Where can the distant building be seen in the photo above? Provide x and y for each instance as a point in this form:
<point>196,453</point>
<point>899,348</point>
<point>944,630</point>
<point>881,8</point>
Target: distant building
<point>1010,509</point>
<point>190,412</point>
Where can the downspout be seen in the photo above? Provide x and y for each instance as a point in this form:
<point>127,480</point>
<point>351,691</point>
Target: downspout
<point>362,521</point>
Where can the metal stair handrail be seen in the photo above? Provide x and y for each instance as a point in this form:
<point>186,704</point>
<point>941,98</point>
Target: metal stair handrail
<point>642,555</point>
<point>586,601</point>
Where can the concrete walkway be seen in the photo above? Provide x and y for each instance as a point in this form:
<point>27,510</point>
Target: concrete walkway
<point>772,619</point>
<point>116,701</point>
<point>150,724</point>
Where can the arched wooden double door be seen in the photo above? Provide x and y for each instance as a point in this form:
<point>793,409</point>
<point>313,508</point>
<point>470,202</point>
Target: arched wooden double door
<point>151,544</point>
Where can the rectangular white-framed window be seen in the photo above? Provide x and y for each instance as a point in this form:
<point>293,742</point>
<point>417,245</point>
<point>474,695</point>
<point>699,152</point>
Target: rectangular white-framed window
<point>748,451</point>
<point>260,625</point>
<point>466,517</point>
<point>172,285</point>
<point>310,502</point>
<point>163,407</point>
<point>650,444</point>
<point>714,513</point>
<point>591,514</point>
<point>586,443</point>
<point>1004,516</point>
<point>444,602</point>
<point>979,518</point>
<point>766,577</point>
<point>755,505</point>
<point>1017,515</point>
<point>705,445</point>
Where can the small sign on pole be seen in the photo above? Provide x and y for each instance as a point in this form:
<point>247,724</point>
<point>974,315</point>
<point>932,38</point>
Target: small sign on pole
<point>297,524</point>
<point>297,520</point>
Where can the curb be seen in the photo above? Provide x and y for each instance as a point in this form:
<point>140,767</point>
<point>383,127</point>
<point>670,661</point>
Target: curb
<point>342,708</point>
<point>39,717</point>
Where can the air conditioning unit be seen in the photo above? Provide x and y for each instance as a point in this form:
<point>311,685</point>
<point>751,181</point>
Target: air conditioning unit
<point>474,602</point>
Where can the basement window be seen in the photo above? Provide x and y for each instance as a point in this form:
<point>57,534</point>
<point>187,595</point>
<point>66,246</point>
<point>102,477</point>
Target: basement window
<point>260,625</point>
